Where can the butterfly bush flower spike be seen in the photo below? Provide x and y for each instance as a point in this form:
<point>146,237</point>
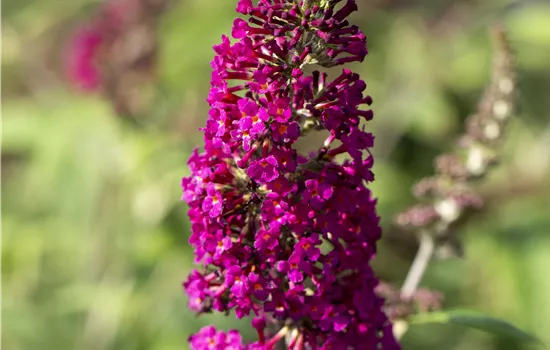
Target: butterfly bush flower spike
<point>286,237</point>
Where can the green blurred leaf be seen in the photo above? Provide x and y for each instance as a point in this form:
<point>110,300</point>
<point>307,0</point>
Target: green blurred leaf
<point>477,320</point>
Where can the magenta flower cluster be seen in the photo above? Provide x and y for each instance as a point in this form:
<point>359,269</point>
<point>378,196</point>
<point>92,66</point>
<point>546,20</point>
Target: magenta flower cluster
<point>285,236</point>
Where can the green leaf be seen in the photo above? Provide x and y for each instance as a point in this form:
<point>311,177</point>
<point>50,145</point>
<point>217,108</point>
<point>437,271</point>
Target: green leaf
<point>477,320</point>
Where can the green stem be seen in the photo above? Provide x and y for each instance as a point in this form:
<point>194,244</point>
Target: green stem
<point>419,265</point>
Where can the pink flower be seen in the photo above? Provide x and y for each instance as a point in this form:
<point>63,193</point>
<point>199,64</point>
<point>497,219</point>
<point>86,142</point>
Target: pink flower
<point>82,56</point>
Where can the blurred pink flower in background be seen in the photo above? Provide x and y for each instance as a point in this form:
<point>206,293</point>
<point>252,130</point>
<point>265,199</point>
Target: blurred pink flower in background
<point>82,58</point>
<point>114,52</point>
<point>89,46</point>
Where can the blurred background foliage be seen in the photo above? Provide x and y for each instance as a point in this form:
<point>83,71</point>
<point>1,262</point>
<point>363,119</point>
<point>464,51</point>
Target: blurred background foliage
<point>94,244</point>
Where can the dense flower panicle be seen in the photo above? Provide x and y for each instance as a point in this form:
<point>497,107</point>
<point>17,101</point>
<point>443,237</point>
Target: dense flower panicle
<point>287,236</point>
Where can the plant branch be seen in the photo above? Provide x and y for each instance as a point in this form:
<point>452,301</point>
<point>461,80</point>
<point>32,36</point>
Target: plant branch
<point>419,265</point>
<point>447,195</point>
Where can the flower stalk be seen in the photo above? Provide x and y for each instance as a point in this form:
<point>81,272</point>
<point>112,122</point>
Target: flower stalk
<point>448,194</point>
<point>419,265</point>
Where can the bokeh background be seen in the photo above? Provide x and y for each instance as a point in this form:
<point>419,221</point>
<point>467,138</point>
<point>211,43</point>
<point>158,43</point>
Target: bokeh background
<point>94,235</point>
